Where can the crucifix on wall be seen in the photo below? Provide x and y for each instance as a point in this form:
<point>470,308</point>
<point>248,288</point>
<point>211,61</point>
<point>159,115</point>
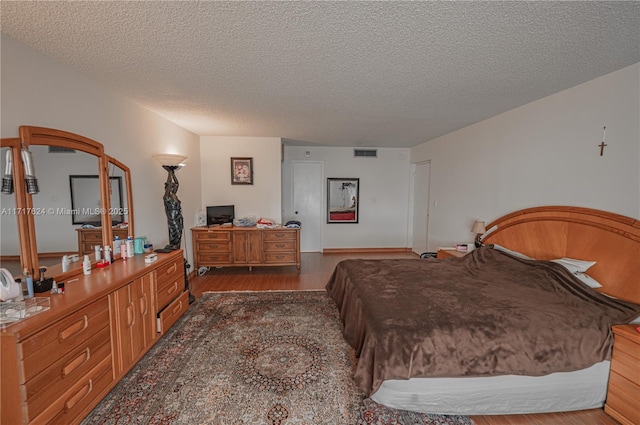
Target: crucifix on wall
<point>603,144</point>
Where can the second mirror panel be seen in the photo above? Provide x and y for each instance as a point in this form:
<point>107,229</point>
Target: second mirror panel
<point>56,219</point>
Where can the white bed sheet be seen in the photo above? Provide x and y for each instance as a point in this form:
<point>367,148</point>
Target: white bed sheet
<point>508,394</point>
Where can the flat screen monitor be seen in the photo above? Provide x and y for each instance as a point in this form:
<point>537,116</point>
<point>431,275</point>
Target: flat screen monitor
<point>220,214</point>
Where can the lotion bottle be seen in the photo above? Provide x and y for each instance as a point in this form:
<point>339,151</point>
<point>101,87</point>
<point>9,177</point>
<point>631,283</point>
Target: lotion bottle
<point>130,248</point>
<point>86,265</point>
<point>29,280</point>
<point>116,246</point>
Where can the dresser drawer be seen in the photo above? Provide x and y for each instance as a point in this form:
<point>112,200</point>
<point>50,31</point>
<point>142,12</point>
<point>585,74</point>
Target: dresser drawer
<point>62,374</point>
<point>168,316</point>
<point>279,235</point>
<point>213,259</point>
<point>170,271</point>
<point>92,237</point>
<point>78,399</point>
<point>221,236</point>
<point>214,246</point>
<point>38,351</point>
<point>168,290</point>
<point>624,359</point>
<point>623,398</point>
<point>284,245</point>
<point>280,257</point>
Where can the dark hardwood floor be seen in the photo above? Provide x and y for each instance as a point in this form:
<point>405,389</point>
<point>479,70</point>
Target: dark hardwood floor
<point>314,273</point>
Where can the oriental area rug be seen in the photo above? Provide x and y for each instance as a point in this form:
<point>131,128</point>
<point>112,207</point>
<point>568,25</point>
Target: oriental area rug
<point>258,358</point>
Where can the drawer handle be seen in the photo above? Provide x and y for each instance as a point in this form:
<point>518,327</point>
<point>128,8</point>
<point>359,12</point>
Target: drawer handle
<point>172,268</point>
<point>173,288</point>
<point>74,329</point>
<point>78,361</point>
<point>279,235</point>
<point>143,304</point>
<point>78,396</point>
<point>279,257</point>
<point>214,257</point>
<point>177,308</point>
<point>131,316</point>
<point>280,245</point>
<point>212,236</point>
<point>213,245</point>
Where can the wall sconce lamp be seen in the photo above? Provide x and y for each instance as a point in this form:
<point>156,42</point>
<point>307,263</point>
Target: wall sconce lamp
<point>478,228</point>
<point>7,178</point>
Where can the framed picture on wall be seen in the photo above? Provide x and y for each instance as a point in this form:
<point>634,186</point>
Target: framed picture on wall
<point>241,170</point>
<point>342,200</point>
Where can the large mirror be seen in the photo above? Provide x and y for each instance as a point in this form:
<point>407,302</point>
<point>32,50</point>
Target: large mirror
<point>56,232</point>
<point>343,197</point>
<point>44,237</point>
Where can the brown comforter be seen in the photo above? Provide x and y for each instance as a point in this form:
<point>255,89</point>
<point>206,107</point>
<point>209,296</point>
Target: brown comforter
<point>485,314</point>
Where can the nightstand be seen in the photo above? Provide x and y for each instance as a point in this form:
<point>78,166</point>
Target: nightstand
<point>624,381</point>
<point>450,253</point>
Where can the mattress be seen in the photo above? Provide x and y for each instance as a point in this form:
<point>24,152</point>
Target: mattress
<point>496,395</point>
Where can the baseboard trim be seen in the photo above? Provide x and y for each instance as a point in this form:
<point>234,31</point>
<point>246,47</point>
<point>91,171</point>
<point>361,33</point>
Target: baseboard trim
<point>364,250</point>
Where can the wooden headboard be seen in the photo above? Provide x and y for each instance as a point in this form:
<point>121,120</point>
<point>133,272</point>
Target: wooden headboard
<point>545,233</point>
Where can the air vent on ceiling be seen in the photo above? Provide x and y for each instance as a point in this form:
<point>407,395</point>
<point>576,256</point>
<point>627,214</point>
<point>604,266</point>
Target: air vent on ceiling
<point>365,153</point>
<point>60,149</point>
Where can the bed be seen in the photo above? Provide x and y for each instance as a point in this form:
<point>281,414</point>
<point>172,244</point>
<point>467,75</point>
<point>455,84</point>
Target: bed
<point>501,330</point>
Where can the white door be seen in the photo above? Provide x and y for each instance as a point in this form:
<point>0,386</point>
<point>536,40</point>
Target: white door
<point>306,179</point>
<point>421,206</point>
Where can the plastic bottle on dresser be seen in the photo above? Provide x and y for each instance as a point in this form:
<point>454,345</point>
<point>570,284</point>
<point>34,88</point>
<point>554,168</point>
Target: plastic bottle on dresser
<point>86,265</point>
<point>98,250</point>
<point>130,248</point>
<point>29,279</point>
<point>116,245</point>
<point>123,251</point>
<point>65,263</point>
<point>107,254</point>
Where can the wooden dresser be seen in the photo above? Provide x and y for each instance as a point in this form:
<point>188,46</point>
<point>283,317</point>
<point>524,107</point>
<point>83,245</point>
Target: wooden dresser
<point>245,246</point>
<point>623,395</point>
<point>57,365</point>
<point>89,238</point>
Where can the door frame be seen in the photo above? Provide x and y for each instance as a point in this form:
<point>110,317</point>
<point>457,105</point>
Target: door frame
<point>323,200</point>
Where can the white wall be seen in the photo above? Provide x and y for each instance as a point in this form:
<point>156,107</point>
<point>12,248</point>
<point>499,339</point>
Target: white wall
<point>384,195</point>
<point>37,91</point>
<point>543,153</point>
<point>262,198</point>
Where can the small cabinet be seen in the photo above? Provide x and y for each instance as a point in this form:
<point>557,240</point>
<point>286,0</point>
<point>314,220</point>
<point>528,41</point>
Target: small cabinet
<point>134,320</point>
<point>247,247</point>
<point>624,381</point>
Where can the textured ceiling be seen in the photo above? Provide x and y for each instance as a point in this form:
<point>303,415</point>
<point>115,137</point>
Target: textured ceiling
<point>368,74</point>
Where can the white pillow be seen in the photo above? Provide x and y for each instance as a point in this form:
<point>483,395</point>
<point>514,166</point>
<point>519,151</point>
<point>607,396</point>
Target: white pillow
<point>573,265</point>
<point>508,251</point>
<point>591,282</point>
